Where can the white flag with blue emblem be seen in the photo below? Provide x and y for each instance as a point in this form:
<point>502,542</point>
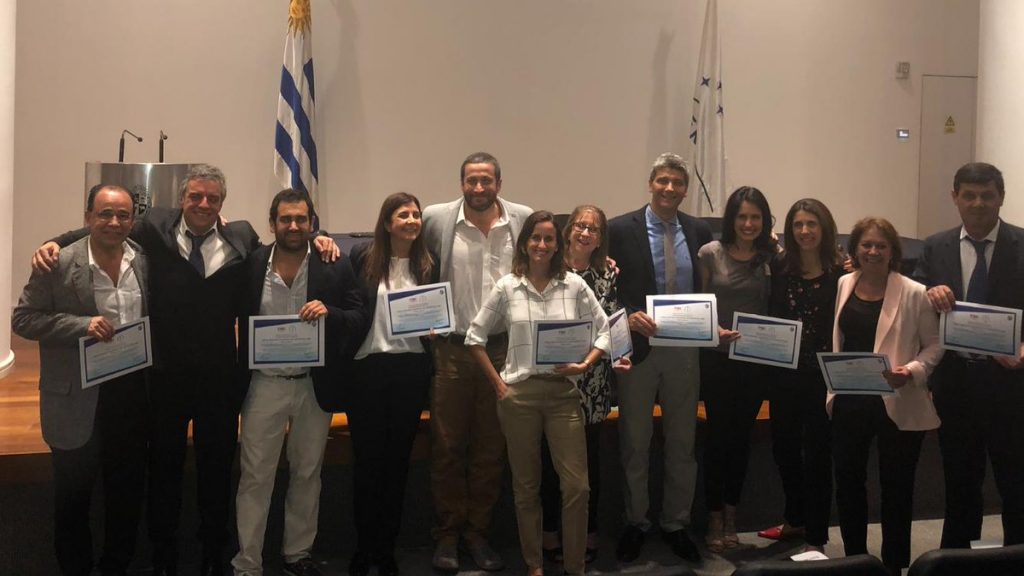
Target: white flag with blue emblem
<point>707,179</point>
<point>295,158</point>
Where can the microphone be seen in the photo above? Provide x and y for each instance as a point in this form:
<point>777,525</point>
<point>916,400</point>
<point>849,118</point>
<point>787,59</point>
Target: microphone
<point>120,148</point>
<point>162,138</point>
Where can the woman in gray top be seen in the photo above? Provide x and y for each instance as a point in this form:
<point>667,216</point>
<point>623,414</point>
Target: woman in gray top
<point>736,270</point>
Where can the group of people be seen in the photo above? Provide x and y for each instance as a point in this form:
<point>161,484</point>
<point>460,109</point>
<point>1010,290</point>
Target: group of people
<point>508,266</point>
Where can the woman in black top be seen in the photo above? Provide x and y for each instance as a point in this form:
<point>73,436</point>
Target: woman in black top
<point>804,288</point>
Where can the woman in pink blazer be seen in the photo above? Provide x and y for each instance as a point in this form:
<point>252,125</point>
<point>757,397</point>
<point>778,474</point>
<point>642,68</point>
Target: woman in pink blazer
<point>880,310</point>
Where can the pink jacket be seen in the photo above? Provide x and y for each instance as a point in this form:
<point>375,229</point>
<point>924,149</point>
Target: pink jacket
<point>908,333</point>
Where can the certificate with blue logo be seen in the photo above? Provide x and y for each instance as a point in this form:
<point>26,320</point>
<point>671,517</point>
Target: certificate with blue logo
<point>981,329</point>
<point>285,341</point>
<point>561,341</point>
<point>129,350</point>
<point>684,320</point>
<point>420,310</point>
<point>855,372</point>
<point>766,340</point>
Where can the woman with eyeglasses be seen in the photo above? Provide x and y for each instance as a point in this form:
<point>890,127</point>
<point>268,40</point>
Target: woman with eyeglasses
<point>532,403</point>
<point>392,378</point>
<point>586,254</point>
<point>804,279</point>
<point>882,311</point>
<point>736,270</point>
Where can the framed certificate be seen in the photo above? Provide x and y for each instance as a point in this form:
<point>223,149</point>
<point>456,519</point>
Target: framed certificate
<point>285,341</point>
<point>855,372</point>
<point>561,341</point>
<point>684,320</point>
<point>622,341</point>
<point>130,349</point>
<point>766,340</point>
<point>417,311</point>
<point>981,329</point>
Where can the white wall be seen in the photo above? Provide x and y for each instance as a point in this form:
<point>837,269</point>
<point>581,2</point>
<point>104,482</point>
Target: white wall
<point>575,97</point>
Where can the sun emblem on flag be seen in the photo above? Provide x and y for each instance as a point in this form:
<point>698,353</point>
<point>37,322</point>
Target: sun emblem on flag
<point>299,16</point>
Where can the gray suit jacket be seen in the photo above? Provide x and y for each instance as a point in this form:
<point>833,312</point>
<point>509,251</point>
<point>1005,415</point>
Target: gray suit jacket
<point>55,309</point>
<point>439,227</point>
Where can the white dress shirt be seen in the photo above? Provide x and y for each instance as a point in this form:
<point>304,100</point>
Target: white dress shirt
<point>969,256</point>
<point>120,303</point>
<point>477,263</point>
<point>216,250</point>
<point>280,299</point>
<point>514,305</point>
<point>377,341</point>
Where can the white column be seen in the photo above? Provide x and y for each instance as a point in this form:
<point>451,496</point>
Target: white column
<point>7,25</point>
<point>1000,134</point>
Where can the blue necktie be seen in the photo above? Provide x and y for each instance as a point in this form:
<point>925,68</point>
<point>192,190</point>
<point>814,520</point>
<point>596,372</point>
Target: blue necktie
<point>977,289</point>
<point>195,256</point>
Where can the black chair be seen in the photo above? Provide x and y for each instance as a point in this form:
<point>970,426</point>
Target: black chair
<point>1007,561</point>
<point>860,565</point>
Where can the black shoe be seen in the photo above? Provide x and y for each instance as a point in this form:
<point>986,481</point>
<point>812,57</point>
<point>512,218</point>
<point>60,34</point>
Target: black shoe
<point>360,564</point>
<point>212,566</point>
<point>386,565</point>
<point>681,545</point>
<point>630,543</point>
<point>302,567</point>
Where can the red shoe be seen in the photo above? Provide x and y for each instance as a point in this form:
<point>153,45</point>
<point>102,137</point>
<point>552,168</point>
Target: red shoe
<point>782,532</point>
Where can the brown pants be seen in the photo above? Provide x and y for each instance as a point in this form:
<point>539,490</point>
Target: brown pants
<point>534,409</point>
<point>467,448</point>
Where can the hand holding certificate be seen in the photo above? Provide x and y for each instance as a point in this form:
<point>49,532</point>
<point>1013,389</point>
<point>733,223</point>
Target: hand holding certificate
<point>129,350</point>
<point>684,320</point>
<point>766,340</point>
<point>557,342</point>
<point>419,311</point>
<point>855,372</point>
<point>285,341</point>
<point>981,329</point>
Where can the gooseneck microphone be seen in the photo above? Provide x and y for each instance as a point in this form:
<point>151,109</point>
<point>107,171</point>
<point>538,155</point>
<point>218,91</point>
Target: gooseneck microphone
<point>120,148</point>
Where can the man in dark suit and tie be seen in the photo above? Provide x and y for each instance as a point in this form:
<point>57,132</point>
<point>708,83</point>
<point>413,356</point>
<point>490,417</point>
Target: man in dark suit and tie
<point>980,399</point>
<point>197,273</point>
<point>99,429</point>
<point>282,279</point>
<point>656,250</point>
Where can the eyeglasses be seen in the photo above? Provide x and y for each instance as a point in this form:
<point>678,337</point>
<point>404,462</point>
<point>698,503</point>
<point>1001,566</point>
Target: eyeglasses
<point>108,215</point>
<point>581,227</point>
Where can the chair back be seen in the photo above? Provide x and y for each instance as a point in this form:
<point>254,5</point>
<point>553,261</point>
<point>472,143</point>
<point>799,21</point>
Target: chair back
<point>1005,561</point>
<point>860,565</point>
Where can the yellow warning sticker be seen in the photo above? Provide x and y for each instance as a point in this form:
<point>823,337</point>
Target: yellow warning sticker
<point>950,125</point>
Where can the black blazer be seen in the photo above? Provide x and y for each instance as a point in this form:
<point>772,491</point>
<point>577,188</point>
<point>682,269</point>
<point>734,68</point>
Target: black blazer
<point>333,284</point>
<point>629,247</point>
<point>369,295</point>
<point>940,265</point>
<point>193,318</point>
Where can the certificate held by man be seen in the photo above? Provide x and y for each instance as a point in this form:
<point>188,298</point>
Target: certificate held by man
<point>129,350</point>
<point>766,340</point>
<point>981,329</point>
<point>285,341</point>
<point>689,320</point>
<point>419,311</point>
<point>558,342</point>
<point>855,372</point>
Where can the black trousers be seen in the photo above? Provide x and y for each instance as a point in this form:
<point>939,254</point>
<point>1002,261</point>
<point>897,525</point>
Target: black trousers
<point>384,406</point>
<point>550,486</point>
<point>982,410</point>
<point>802,446</point>
<point>732,393</point>
<point>117,452</point>
<point>210,400</point>
<point>856,420</point>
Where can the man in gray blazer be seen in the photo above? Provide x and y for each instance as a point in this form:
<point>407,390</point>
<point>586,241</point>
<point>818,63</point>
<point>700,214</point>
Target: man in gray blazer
<point>99,283</point>
<point>475,237</point>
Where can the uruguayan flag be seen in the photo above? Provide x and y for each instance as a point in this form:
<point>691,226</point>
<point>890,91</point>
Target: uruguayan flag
<point>295,160</point>
<point>707,182</point>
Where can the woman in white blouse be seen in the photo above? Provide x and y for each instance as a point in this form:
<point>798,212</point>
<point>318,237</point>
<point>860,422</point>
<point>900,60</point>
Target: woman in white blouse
<point>392,377</point>
<point>532,401</point>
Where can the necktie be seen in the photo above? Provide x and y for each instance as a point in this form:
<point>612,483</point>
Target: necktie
<point>195,256</point>
<point>977,289</point>
<point>670,258</point>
